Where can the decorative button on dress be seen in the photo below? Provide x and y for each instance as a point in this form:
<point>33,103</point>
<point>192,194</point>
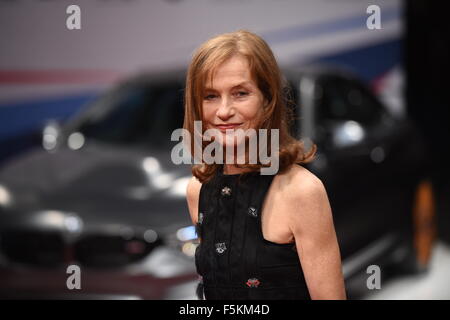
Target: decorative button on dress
<point>234,260</point>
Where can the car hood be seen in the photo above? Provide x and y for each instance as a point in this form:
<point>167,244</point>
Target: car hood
<point>101,184</point>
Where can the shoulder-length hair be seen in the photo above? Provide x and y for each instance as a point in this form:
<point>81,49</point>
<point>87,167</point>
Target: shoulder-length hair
<point>268,77</point>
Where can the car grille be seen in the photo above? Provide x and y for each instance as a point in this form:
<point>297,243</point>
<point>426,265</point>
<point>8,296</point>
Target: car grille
<point>52,248</point>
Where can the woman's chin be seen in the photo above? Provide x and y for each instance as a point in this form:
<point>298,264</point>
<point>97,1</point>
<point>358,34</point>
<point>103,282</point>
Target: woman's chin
<point>231,141</point>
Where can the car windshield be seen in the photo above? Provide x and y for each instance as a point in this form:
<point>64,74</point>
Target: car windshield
<point>143,115</point>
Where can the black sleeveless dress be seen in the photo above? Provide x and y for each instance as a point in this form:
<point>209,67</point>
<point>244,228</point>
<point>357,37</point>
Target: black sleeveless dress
<point>234,260</point>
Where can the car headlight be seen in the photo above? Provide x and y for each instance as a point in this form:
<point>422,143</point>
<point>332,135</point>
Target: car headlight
<point>185,240</point>
<point>189,240</point>
<point>5,196</point>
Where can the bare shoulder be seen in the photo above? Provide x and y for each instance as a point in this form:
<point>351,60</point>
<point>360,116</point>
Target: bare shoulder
<point>193,187</point>
<point>305,195</point>
<point>298,182</point>
<point>192,196</point>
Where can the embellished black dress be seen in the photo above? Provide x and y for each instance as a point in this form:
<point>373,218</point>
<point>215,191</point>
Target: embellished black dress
<point>234,260</point>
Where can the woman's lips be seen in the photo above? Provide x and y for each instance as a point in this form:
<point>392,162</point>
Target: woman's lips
<point>225,127</point>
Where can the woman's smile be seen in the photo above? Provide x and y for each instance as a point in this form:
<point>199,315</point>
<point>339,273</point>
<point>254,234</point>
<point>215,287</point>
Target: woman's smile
<point>229,126</point>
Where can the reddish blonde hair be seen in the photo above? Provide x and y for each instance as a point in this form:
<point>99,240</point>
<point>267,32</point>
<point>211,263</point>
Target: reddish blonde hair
<point>267,75</point>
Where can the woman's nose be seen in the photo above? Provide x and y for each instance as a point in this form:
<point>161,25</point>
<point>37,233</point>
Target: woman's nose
<point>226,109</point>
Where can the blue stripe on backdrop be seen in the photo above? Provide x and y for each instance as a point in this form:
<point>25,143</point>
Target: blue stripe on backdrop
<point>302,32</point>
<point>368,62</point>
<point>18,118</point>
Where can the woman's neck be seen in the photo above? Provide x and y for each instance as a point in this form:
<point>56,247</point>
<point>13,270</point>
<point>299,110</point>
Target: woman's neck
<point>232,169</point>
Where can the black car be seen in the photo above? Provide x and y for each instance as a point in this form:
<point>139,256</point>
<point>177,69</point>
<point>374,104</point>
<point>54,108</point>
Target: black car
<point>102,193</point>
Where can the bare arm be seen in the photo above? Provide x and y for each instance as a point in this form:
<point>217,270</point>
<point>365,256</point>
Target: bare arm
<point>312,225</point>
<point>192,196</point>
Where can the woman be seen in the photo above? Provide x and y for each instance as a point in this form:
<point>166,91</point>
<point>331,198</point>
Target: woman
<point>262,236</point>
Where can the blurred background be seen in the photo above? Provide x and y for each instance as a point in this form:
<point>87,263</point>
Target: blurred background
<point>86,117</point>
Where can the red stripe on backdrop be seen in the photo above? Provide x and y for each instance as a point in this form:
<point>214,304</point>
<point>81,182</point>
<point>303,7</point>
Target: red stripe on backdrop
<point>60,76</point>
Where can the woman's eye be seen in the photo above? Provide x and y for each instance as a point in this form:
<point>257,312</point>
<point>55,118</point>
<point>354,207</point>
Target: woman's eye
<point>210,96</point>
<point>241,93</point>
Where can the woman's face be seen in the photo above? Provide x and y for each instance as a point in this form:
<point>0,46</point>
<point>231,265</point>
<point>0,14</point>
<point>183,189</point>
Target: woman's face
<point>233,102</point>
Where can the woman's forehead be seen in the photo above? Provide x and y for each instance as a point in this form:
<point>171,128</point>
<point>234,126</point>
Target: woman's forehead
<point>233,72</point>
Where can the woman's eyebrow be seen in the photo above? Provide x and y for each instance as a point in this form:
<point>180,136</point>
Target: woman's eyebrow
<point>240,84</point>
<point>244,83</point>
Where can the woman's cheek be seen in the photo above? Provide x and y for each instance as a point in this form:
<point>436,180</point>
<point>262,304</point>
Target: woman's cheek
<point>207,116</point>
